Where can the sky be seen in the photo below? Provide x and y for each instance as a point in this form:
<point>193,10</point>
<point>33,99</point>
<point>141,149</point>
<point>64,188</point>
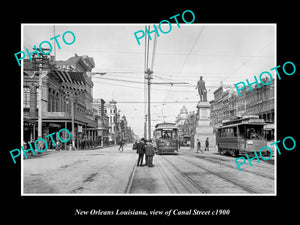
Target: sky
<point>227,53</point>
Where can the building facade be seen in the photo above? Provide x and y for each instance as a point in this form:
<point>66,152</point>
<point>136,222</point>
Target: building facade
<point>223,106</point>
<point>111,110</point>
<point>66,100</point>
<point>103,122</point>
<point>186,123</point>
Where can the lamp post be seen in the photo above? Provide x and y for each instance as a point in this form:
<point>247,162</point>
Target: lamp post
<point>71,100</point>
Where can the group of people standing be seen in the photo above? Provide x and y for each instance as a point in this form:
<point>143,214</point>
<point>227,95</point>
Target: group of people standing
<point>144,147</point>
<point>199,145</point>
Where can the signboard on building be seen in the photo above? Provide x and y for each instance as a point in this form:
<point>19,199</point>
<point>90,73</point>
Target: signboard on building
<point>79,128</point>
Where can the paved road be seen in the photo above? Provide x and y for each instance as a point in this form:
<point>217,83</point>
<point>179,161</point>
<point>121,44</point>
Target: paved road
<point>109,171</point>
<point>207,173</point>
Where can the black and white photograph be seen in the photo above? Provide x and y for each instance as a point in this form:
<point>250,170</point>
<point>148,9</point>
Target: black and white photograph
<point>151,115</point>
<point>159,109</point>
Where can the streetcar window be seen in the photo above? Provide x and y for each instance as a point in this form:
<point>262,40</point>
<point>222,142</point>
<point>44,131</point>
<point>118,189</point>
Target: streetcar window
<point>235,131</point>
<point>228,132</point>
<point>167,134</point>
<point>242,131</point>
<point>254,132</point>
<point>174,134</point>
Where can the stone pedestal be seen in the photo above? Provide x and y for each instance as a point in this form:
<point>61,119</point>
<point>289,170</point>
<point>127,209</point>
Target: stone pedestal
<point>203,129</point>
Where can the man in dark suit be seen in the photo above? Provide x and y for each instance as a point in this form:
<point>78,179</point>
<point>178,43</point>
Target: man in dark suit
<point>121,145</point>
<point>141,151</point>
<point>149,151</point>
<point>206,145</point>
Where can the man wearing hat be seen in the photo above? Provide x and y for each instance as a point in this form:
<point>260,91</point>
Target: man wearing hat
<point>206,145</point>
<point>149,149</point>
<point>141,151</point>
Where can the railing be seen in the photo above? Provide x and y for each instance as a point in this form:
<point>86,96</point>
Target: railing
<point>56,115</point>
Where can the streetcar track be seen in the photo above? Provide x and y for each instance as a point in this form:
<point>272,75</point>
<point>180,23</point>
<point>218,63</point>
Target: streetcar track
<point>220,176</point>
<point>167,180</point>
<point>187,178</point>
<point>180,181</point>
<point>217,161</point>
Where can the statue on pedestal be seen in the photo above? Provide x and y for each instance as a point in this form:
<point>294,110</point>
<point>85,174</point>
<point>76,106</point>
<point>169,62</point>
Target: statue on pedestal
<point>202,90</point>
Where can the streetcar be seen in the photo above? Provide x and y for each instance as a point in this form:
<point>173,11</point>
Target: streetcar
<point>241,136</point>
<point>165,137</point>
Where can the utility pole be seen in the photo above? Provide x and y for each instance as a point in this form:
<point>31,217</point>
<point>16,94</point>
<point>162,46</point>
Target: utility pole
<point>40,103</point>
<point>73,118</point>
<point>42,74</point>
<point>145,127</point>
<point>149,77</point>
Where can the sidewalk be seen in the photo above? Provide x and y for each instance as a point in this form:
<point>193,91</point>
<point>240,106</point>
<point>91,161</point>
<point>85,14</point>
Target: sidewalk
<point>49,151</point>
<point>98,171</point>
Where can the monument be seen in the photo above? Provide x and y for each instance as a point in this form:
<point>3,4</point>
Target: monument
<point>203,129</point>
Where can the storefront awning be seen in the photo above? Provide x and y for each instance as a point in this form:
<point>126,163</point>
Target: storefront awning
<point>269,126</point>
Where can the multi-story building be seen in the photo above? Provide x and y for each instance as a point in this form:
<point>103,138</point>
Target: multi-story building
<point>66,99</point>
<point>126,134</point>
<point>186,123</point>
<point>103,122</point>
<point>111,110</point>
<point>261,102</point>
<point>223,106</point>
<point>180,121</point>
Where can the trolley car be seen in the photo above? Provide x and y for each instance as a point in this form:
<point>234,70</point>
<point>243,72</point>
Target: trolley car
<point>165,138</point>
<point>241,136</point>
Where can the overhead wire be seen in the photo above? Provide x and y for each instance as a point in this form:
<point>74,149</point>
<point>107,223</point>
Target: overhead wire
<point>113,84</point>
<point>167,91</point>
<point>172,53</point>
<point>190,51</point>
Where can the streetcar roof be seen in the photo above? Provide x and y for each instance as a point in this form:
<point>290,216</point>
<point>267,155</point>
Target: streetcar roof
<point>166,126</point>
<point>249,122</point>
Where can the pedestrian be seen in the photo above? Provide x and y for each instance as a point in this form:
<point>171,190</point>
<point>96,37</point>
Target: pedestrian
<point>121,145</point>
<point>83,143</point>
<point>141,151</point>
<point>199,146</point>
<point>57,145</point>
<point>146,156</point>
<point>25,148</point>
<point>149,150</point>
<point>134,146</point>
<point>206,145</point>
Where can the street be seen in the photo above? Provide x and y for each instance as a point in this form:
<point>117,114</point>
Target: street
<point>109,171</point>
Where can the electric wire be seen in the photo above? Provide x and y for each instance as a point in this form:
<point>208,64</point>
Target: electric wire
<point>190,51</point>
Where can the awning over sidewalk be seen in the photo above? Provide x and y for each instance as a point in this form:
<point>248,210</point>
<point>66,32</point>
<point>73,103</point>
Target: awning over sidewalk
<point>269,126</point>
